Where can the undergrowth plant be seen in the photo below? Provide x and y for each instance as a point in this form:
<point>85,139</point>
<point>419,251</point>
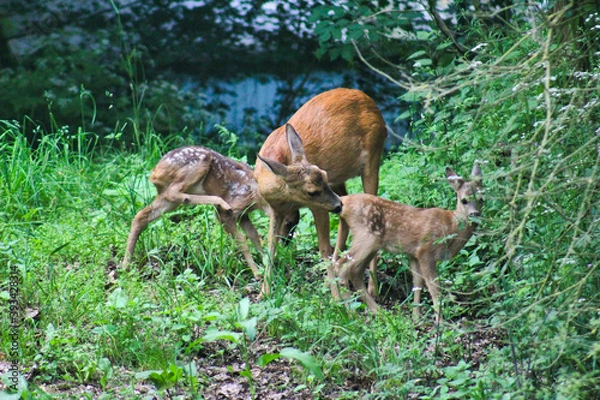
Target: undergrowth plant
<point>532,119</point>
<point>520,301</point>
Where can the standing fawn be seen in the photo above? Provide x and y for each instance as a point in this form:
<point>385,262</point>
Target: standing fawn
<point>197,175</point>
<point>337,135</point>
<point>426,235</point>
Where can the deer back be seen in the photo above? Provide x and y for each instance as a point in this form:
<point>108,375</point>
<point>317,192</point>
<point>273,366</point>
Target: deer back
<point>389,225</point>
<point>341,130</point>
<point>202,171</point>
<point>435,232</point>
<point>402,228</point>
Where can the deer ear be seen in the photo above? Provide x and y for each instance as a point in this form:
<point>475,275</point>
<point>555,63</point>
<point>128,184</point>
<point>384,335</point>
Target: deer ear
<point>454,179</point>
<point>295,144</point>
<point>275,167</point>
<point>476,174</point>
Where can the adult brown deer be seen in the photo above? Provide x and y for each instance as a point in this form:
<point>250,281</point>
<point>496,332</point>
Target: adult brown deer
<point>336,135</point>
<point>426,235</point>
<point>197,175</point>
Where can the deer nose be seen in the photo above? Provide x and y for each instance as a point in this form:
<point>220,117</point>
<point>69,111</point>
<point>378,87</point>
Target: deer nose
<point>337,209</point>
<point>475,214</point>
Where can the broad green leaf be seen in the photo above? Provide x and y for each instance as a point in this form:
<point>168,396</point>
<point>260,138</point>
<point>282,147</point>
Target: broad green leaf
<point>305,359</point>
<point>423,62</point>
<point>265,359</point>
<point>244,308</point>
<point>105,366</point>
<point>212,336</point>
<point>356,32</point>
<point>118,299</point>
<point>249,327</point>
<point>417,54</point>
<point>405,115</point>
<point>146,374</point>
<point>347,53</point>
<point>423,35</point>
<point>212,316</point>
<point>164,379</point>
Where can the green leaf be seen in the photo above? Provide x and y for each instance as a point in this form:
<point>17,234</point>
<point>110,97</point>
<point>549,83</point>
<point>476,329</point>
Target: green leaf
<point>164,379</point>
<point>334,54</point>
<point>405,115</point>
<point>356,32</point>
<point>320,52</point>
<point>347,53</point>
<point>246,373</point>
<point>212,316</point>
<point>195,345</point>
<point>244,308</point>
<point>325,35</point>
<point>118,299</point>
<point>423,35</point>
<point>423,62</point>
<point>305,359</point>
<point>105,366</point>
<point>443,45</point>
<point>191,369</point>
<point>411,96</point>
<point>265,359</point>
<point>146,374</point>
<point>249,327</point>
<point>417,54</point>
<point>212,336</point>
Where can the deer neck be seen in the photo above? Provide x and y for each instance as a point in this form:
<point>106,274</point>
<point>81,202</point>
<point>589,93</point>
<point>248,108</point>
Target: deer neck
<point>258,200</point>
<point>463,228</point>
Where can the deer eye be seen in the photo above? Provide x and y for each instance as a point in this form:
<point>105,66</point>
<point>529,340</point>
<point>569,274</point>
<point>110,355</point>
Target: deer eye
<point>314,194</point>
<point>465,201</point>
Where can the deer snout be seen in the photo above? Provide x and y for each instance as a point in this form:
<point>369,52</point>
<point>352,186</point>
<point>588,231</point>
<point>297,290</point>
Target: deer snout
<point>334,203</point>
<point>337,209</point>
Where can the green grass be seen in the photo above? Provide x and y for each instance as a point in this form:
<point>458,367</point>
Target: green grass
<point>65,219</point>
<point>64,226</point>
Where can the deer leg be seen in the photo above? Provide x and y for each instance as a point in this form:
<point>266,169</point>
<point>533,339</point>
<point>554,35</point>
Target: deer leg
<point>370,174</point>
<point>343,270</point>
<point>370,181</point>
<point>373,282</point>
<point>354,264</point>
<point>417,288</point>
<point>230,226</point>
<point>342,238</point>
<point>174,194</point>
<point>343,231</point>
<point>275,223</point>
<point>429,273</point>
<point>340,244</point>
<point>251,232</point>
<point>322,225</point>
<point>358,281</point>
<point>332,277</point>
<point>337,274</point>
<point>141,220</point>
<point>288,227</point>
